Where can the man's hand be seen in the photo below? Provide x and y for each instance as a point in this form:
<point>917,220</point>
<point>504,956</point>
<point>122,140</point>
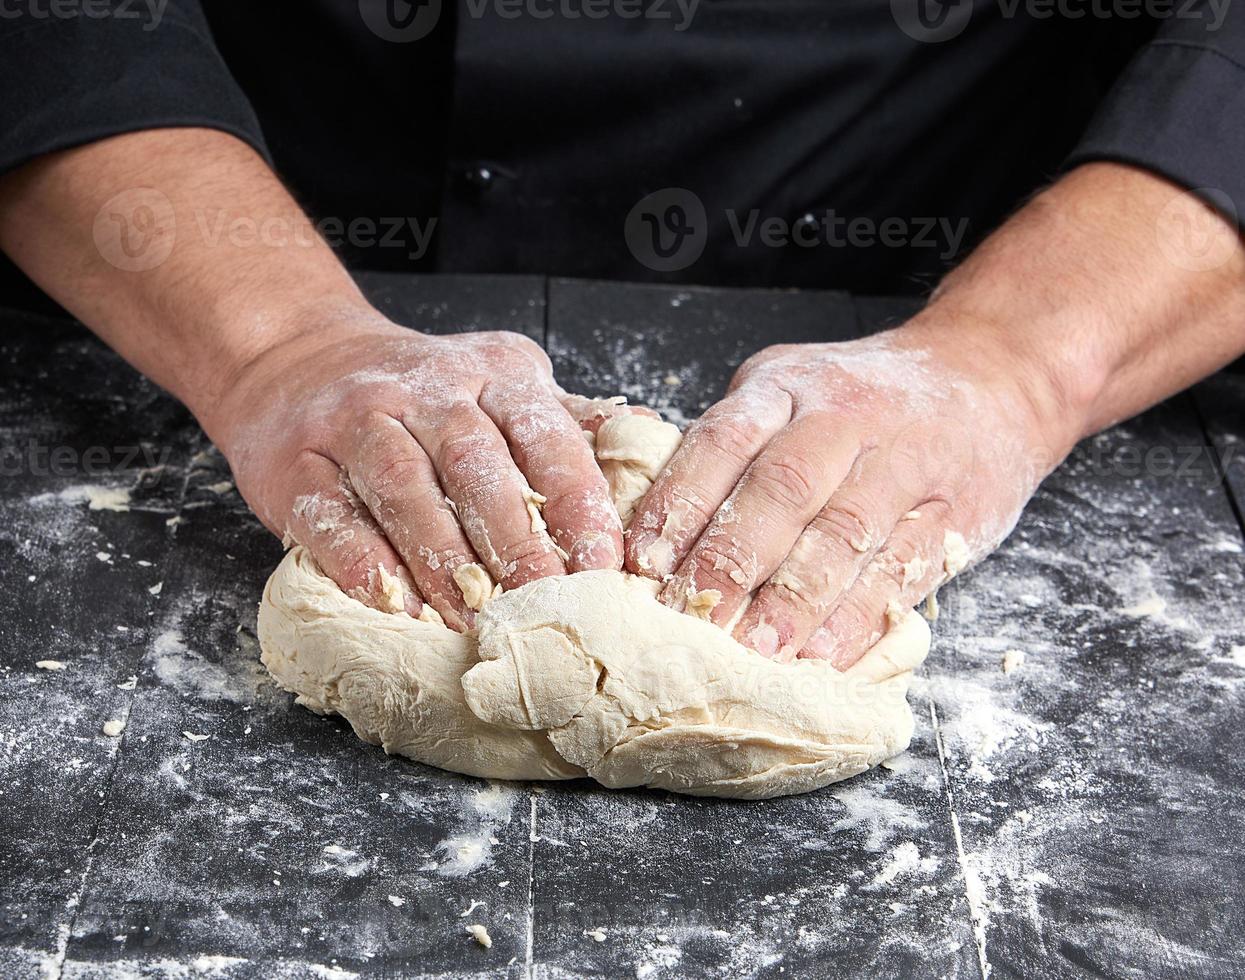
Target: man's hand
<point>380,448</point>
<point>346,432</point>
<point>836,480</point>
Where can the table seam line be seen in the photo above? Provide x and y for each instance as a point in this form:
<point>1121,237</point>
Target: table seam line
<point>62,954</point>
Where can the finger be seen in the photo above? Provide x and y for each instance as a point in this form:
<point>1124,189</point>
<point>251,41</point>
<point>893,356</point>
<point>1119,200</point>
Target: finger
<point>331,522</point>
<point>489,494</point>
<point>828,556</point>
<point>551,451</point>
<point>715,452</point>
<point>395,479</point>
<point>912,564</point>
<point>779,494</point>
<point>591,413</point>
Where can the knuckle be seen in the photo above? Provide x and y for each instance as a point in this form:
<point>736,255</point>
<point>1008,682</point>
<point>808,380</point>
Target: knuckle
<point>467,456</point>
<point>505,344</point>
<point>377,425</point>
<point>306,469</point>
<point>530,558</point>
<point>888,572</point>
<point>508,340</point>
<point>903,550</point>
<point>848,524</point>
<point>730,437</point>
<point>357,568</point>
<point>691,510</point>
<point>855,621</point>
<point>359,400</point>
<point>545,439</point>
<point>584,503</point>
<point>763,357</point>
<point>788,481</point>
<point>394,474</point>
<point>787,599</point>
<point>724,566</point>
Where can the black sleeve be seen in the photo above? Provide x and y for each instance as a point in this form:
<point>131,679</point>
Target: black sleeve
<point>99,69</point>
<point>1178,109</point>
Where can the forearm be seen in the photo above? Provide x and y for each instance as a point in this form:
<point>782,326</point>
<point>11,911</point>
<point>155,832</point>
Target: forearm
<point>180,248</point>
<point>1114,287</point>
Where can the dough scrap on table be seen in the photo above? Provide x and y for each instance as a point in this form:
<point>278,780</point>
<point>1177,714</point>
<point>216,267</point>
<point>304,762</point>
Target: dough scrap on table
<point>589,675</point>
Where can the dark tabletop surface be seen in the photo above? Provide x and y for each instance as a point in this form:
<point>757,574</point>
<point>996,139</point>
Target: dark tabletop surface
<point>1080,816</point>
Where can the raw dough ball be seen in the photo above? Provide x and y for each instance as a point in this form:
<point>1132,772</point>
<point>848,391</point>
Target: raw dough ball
<point>588,674</point>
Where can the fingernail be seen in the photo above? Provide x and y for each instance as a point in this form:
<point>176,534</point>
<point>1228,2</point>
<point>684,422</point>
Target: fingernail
<point>763,638</point>
<point>594,551</point>
<point>841,658</point>
<point>639,545</point>
<point>786,654</point>
<point>658,558</point>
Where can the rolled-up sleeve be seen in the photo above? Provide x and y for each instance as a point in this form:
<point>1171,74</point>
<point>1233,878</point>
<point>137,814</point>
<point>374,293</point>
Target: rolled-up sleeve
<point>76,73</point>
<point>1178,109</point>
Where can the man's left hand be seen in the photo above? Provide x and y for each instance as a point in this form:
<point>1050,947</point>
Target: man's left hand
<point>835,481</point>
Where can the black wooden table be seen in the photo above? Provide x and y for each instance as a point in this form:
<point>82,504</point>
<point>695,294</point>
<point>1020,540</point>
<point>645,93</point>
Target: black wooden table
<point>1083,815</point>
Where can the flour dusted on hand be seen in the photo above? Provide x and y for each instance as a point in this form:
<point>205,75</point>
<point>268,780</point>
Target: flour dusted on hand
<point>589,675</point>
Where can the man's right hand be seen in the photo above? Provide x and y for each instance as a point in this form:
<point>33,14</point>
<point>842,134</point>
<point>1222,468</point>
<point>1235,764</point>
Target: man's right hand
<point>374,446</point>
<point>378,447</point>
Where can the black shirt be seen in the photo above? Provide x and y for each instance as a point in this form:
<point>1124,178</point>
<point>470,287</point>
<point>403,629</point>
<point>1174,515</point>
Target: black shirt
<point>858,144</point>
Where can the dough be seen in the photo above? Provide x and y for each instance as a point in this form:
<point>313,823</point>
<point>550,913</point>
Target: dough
<point>589,675</point>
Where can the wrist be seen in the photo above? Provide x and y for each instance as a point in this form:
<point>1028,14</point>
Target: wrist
<point>264,347</point>
<point>1037,386</point>
<point>1108,292</point>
